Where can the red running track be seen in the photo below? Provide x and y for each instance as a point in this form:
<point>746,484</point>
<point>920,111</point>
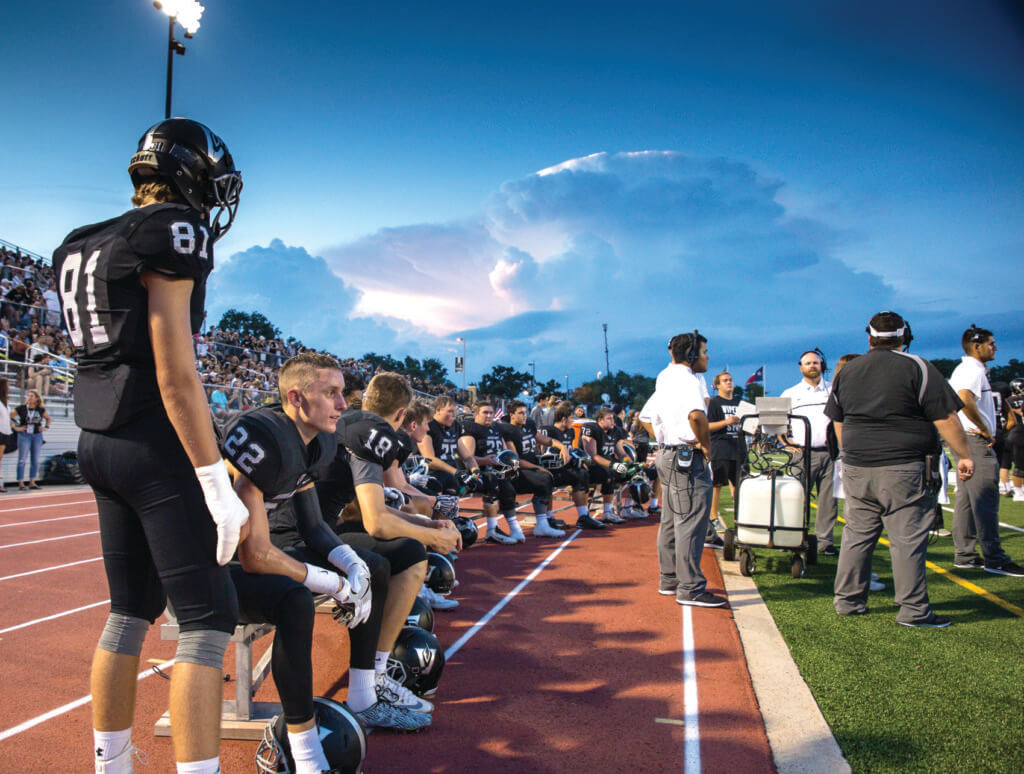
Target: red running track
<point>582,669</point>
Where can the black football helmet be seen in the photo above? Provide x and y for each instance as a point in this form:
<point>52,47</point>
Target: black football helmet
<point>579,458</point>
<point>508,464</point>
<point>417,661</point>
<point>421,615</point>
<point>341,735</point>
<point>1017,385</point>
<point>468,529</point>
<point>416,470</point>
<point>198,165</point>
<point>629,453</point>
<point>440,574</point>
<point>394,498</point>
<point>639,491</point>
<point>551,459</point>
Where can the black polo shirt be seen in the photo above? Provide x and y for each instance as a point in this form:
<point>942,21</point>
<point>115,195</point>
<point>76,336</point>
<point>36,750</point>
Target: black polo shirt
<point>887,402</point>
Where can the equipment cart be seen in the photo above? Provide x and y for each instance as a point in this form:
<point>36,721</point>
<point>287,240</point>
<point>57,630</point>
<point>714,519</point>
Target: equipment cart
<point>773,505</point>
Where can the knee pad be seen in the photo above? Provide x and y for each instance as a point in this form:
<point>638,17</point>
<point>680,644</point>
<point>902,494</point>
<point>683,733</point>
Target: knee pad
<point>123,634</point>
<point>202,646</point>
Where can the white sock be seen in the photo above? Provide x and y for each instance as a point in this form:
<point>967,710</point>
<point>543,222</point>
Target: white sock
<point>492,523</point>
<point>549,514</point>
<point>211,766</point>
<point>513,522</point>
<point>653,503</point>
<point>109,744</point>
<point>607,508</point>
<point>361,689</point>
<point>542,521</point>
<point>307,751</point>
<point>582,510</point>
<point>380,662</point>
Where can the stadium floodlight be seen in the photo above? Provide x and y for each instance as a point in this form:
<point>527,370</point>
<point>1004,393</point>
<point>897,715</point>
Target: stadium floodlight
<point>463,341</point>
<point>186,13</point>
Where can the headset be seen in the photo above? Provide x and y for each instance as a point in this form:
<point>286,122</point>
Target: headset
<point>902,331</point>
<point>821,357</point>
<point>692,353</point>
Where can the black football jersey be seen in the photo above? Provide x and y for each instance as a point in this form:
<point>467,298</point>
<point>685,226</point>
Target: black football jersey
<point>445,440</point>
<point>369,437</point>
<point>605,440</point>
<point>405,446</point>
<point>566,436</point>
<point>489,440</point>
<point>264,444</point>
<point>105,307</point>
<point>1016,404</point>
<point>523,438</point>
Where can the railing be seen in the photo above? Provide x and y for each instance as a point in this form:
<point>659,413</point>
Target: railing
<point>22,251</point>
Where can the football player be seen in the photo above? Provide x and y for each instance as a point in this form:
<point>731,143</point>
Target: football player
<point>578,478</point>
<point>479,443</point>
<point>132,292</point>
<point>1015,437</point>
<point>603,442</point>
<point>275,454</point>
<point>355,384</point>
<point>440,447</point>
<point>522,436</point>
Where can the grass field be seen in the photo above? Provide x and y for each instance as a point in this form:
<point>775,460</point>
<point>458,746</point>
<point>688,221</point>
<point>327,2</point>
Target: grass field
<point>911,700</point>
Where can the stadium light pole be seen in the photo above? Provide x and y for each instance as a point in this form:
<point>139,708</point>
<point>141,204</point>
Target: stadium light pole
<point>567,386</point>
<point>607,368</point>
<point>533,378</point>
<point>461,339</point>
<point>187,13</point>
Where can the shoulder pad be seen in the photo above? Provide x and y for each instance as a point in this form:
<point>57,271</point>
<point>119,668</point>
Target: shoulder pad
<point>370,438</point>
<point>172,239</point>
<point>251,445</point>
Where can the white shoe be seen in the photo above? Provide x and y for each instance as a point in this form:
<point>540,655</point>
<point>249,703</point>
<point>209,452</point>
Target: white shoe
<point>876,586</point>
<point>875,576</point>
<point>516,533</point>
<point>1018,497</point>
<point>612,517</point>
<point>393,692</point>
<point>632,512</point>
<point>544,529</point>
<point>493,536</point>
<point>122,763</point>
<point>436,601</point>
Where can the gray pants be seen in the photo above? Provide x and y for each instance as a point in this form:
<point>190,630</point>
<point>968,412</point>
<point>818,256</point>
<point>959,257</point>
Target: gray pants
<point>976,512</point>
<point>685,517</point>
<point>822,468</point>
<point>893,496</point>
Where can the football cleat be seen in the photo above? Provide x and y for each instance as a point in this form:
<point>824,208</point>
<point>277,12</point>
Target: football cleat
<point>612,517</point>
<point>516,533</point>
<point>383,714</point>
<point>543,529</point>
<point>393,692</point>
<point>496,536</point>
<point>436,601</point>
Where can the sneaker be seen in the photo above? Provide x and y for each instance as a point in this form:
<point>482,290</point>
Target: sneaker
<point>499,537</point>
<point>436,601</point>
<point>557,523</point>
<point>383,714</point>
<point>855,611</point>
<point>713,541</point>
<point>543,529</point>
<point>611,517</point>
<point>1018,497</point>
<point>588,522</point>
<point>876,586</point>
<point>931,622</point>
<point>393,692</point>
<point>667,588</point>
<point>632,512</point>
<point>974,563</point>
<point>516,533</point>
<point>875,576</point>
<point>828,551</point>
<point>1005,568</point>
<point>718,524</point>
<point>701,599</point>
<point>941,532</point>
<point>654,511</point>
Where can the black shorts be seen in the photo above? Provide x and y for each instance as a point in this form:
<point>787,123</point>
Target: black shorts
<point>603,477</point>
<point>577,478</point>
<point>642,448</point>
<point>723,470</point>
<point>448,481</point>
<point>534,482</point>
<point>498,490</point>
<point>156,533</point>
<point>1018,457</point>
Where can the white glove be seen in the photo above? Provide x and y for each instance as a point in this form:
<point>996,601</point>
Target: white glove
<point>228,512</point>
<point>348,561</point>
<point>619,469</point>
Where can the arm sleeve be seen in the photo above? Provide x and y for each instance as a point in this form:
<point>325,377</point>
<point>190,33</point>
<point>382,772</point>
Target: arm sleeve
<point>315,532</point>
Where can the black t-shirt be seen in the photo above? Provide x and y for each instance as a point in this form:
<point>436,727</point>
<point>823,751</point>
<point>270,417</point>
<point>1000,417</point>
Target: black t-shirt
<point>725,442</point>
<point>887,402</point>
<point>105,307</point>
<point>523,438</point>
<point>445,440</point>
<point>488,438</point>
<point>264,444</point>
<point>30,418</point>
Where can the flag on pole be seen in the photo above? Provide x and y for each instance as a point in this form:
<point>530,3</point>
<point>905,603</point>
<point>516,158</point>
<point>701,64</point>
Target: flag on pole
<point>758,376</point>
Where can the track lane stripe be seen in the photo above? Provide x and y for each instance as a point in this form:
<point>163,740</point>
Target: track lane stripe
<point>48,569</point>
<point>51,505</point>
<point>46,521</point>
<point>691,707</point>
<point>52,617</point>
<point>471,632</point>
<point>49,540</point>
<point>71,705</point>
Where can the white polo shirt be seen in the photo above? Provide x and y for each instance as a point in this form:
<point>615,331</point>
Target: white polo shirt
<point>972,375</point>
<point>648,414</point>
<point>809,401</point>
<point>678,392</point>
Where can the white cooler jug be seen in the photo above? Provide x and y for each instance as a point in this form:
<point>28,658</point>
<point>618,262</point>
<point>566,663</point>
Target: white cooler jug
<point>755,508</point>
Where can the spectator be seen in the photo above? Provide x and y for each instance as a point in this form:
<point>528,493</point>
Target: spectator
<point>8,438</point>
<point>39,375</point>
<point>29,420</point>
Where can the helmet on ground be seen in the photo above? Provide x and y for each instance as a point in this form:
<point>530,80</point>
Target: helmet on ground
<point>508,464</point>
<point>341,735</point>
<point>416,661</point>
<point>196,163</point>
<point>421,615</point>
<point>440,573</point>
<point>468,529</point>
<point>551,459</point>
<point>639,491</point>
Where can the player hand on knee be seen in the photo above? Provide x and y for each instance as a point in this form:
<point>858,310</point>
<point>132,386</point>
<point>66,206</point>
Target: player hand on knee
<point>227,511</point>
<point>348,561</point>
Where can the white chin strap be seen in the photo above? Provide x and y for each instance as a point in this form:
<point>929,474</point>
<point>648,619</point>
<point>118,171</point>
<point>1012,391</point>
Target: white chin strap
<point>898,333</point>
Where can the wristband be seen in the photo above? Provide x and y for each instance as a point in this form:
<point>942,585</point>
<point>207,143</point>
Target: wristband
<point>343,557</point>
<point>215,481</point>
<point>320,581</point>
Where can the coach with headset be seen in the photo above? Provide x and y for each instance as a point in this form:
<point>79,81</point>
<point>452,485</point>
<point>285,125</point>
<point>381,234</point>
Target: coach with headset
<point>678,412</point>
<point>886,406</point>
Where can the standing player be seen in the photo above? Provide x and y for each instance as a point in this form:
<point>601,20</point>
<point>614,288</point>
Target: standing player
<point>1015,437</point>
<point>132,291</point>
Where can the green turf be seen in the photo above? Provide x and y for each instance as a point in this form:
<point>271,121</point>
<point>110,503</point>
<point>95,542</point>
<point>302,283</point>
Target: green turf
<point>910,700</point>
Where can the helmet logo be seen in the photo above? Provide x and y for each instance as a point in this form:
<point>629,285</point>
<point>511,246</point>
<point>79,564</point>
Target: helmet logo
<point>425,657</point>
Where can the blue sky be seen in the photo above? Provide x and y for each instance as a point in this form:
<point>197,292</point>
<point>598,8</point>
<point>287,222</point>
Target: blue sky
<point>771,173</point>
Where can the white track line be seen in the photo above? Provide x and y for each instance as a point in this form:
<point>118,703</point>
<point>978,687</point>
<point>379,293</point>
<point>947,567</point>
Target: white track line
<point>51,505</point>
<point>51,617</point>
<point>457,645</point>
<point>1001,524</point>
<point>45,521</point>
<point>47,569</point>
<point>70,706</point>
<point>691,709</point>
<point>49,540</point>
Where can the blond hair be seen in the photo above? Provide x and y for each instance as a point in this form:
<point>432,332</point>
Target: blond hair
<point>300,372</point>
<point>387,393</point>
